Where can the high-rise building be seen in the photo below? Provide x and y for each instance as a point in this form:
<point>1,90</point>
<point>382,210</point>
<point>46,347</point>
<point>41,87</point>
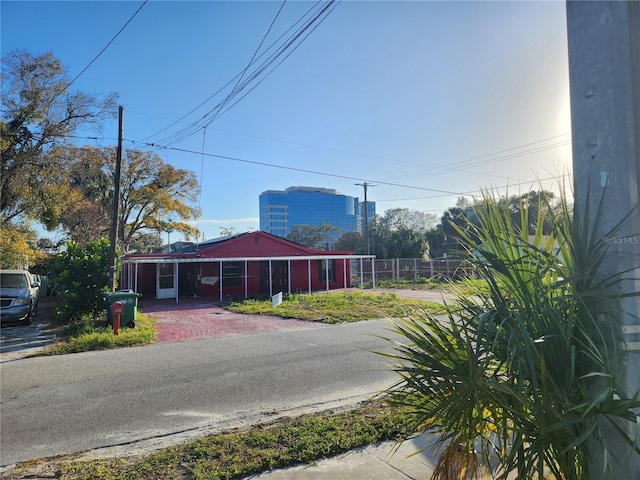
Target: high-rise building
<point>280,211</point>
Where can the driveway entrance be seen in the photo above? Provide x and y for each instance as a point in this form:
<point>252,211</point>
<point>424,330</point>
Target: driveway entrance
<point>192,319</point>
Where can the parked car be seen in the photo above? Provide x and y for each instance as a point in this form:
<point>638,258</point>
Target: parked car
<point>18,296</point>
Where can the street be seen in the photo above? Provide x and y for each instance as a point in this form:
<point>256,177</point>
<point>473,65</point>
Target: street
<point>142,398</point>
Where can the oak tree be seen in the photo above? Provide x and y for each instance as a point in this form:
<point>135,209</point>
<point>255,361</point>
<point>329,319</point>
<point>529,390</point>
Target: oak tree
<point>317,237</point>
<point>156,196</point>
<point>39,111</point>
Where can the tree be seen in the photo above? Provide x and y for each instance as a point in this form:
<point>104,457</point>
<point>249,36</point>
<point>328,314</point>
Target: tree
<point>351,242</point>
<point>394,220</point>
<point>152,192</point>
<point>154,196</point>
<point>39,111</point>
<point>150,242</point>
<point>524,210</point>
<point>18,246</point>
<point>79,192</point>
<point>397,218</point>
<point>463,203</point>
<point>405,243</point>
<point>436,239</point>
<point>317,237</point>
<point>228,231</point>
<point>452,221</point>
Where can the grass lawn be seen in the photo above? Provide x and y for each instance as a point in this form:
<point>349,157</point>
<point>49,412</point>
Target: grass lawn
<point>337,307</point>
<point>87,335</point>
<point>241,453</point>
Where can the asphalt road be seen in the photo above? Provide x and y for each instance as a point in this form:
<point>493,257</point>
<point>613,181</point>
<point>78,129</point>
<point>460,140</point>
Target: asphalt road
<point>138,399</point>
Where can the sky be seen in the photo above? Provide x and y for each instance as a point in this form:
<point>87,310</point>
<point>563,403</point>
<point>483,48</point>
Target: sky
<point>426,101</point>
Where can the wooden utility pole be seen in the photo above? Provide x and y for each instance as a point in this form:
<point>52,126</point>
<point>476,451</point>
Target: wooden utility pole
<point>113,240</point>
<point>366,212</point>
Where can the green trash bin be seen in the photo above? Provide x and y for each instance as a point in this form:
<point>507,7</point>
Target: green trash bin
<point>129,300</point>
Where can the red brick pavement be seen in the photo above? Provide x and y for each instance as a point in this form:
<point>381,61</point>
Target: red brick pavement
<point>191,319</point>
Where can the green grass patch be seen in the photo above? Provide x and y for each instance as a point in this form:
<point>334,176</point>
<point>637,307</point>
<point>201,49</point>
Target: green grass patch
<point>468,287</point>
<point>241,453</point>
<point>89,335</point>
<point>433,283</point>
<point>337,307</point>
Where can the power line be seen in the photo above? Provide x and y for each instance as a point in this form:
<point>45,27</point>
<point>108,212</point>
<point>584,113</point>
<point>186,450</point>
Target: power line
<point>302,170</point>
<point>108,44</point>
<point>478,161</point>
<point>480,190</point>
<point>377,157</point>
<point>231,94</point>
<point>204,131</point>
<point>290,44</point>
<point>314,172</point>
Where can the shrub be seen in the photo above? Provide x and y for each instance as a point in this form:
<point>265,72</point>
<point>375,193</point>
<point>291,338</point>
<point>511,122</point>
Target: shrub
<point>524,371</point>
<point>82,274</point>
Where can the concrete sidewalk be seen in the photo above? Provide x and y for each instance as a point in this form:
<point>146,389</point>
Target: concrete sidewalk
<point>374,462</point>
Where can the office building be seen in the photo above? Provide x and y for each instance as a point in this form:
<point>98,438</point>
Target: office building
<point>280,211</point>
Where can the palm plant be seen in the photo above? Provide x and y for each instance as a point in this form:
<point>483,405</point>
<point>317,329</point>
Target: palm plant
<point>517,378</point>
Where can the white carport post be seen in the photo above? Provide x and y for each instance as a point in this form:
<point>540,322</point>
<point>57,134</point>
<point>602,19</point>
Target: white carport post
<point>246,279</point>
<point>175,279</point>
<point>326,273</point>
<point>344,270</point>
<point>373,272</point>
<point>289,275</point>
<point>270,280</point>
<point>220,280</point>
<point>309,273</point>
<point>135,282</point>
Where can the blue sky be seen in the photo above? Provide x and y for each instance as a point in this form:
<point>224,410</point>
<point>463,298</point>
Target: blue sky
<point>426,100</point>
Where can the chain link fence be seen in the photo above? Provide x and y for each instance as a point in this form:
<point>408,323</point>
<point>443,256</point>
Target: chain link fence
<point>408,269</point>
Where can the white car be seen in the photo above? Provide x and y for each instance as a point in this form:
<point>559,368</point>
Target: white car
<point>18,296</point>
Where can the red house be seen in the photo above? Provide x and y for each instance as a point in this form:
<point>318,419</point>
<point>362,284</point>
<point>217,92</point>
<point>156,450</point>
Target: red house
<point>247,265</point>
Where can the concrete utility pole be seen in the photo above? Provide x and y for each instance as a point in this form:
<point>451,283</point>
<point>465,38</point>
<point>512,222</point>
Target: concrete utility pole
<point>113,238</point>
<point>604,71</point>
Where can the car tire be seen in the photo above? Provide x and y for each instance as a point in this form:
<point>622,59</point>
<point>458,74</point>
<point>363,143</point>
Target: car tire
<point>27,321</point>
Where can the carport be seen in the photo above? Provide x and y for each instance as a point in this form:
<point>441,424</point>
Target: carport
<point>168,286</point>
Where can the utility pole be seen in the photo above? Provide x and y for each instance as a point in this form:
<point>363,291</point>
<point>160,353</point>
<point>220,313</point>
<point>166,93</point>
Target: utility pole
<point>366,212</point>
<point>604,77</point>
<point>116,205</point>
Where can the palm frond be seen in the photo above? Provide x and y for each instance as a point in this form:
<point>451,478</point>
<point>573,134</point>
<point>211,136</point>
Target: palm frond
<point>511,371</point>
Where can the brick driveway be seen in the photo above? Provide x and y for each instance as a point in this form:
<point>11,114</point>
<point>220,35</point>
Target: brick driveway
<point>194,318</point>
<point>197,318</point>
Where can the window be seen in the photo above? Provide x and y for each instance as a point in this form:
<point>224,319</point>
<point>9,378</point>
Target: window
<point>323,270</point>
<point>231,273</point>
<point>165,276</point>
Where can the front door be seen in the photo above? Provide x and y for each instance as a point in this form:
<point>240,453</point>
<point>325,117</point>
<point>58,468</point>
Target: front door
<point>166,280</point>
<point>279,280</point>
